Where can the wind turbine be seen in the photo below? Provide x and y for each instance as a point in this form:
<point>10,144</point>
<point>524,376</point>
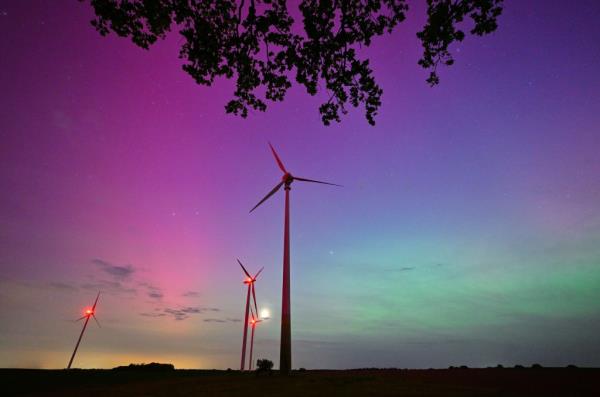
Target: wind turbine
<point>253,322</point>
<point>86,314</point>
<point>285,352</point>
<point>250,281</point>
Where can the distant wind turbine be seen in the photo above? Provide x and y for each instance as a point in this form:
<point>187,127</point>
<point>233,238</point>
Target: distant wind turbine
<point>285,352</point>
<point>255,320</point>
<point>250,281</point>
<point>86,314</point>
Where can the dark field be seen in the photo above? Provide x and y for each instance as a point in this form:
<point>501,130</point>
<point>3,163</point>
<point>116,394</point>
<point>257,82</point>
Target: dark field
<point>447,382</point>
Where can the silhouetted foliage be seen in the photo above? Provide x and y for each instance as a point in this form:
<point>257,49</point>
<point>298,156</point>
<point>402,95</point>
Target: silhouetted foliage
<point>146,367</point>
<point>519,366</point>
<point>536,366</point>
<point>499,366</point>
<point>571,366</point>
<point>264,365</point>
<point>258,43</point>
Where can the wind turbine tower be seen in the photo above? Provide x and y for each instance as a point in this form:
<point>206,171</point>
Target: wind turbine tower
<point>255,320</point>
<point>250,282</point>
<point>87,314</point>
<point>285,352</point>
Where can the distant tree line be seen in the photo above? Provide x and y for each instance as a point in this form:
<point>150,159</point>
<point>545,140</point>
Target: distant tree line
<point>146,367</point>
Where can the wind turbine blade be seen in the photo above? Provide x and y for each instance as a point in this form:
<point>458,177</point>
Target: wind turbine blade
<point>279,163</point>
<point>314,181</point>
<point>81,318</point>
<point>272,192</point>
<point>256,275</point>
<point>96,320</point>
<point>98,296</point>
<point>244,269</point>
<point>254,297</point>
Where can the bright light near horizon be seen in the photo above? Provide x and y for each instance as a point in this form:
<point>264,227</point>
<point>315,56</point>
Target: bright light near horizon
<point>265,313</point>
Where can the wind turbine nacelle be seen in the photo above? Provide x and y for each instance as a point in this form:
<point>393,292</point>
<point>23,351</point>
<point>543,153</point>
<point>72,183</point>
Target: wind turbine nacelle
<point>287,178</point>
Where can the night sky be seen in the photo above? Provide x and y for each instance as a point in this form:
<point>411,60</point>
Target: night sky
<point>467,230</point>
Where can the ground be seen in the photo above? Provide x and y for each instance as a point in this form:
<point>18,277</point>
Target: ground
<point>406,383</point>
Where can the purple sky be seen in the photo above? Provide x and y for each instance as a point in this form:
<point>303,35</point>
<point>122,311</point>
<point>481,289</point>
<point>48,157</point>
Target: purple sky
<point>467,231</point>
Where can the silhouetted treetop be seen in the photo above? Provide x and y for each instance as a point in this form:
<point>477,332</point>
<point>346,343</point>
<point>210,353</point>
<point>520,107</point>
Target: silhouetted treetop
<point>258,43</point>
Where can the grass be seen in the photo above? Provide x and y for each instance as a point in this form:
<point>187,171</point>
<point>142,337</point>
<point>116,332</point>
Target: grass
<point>406,383</point>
